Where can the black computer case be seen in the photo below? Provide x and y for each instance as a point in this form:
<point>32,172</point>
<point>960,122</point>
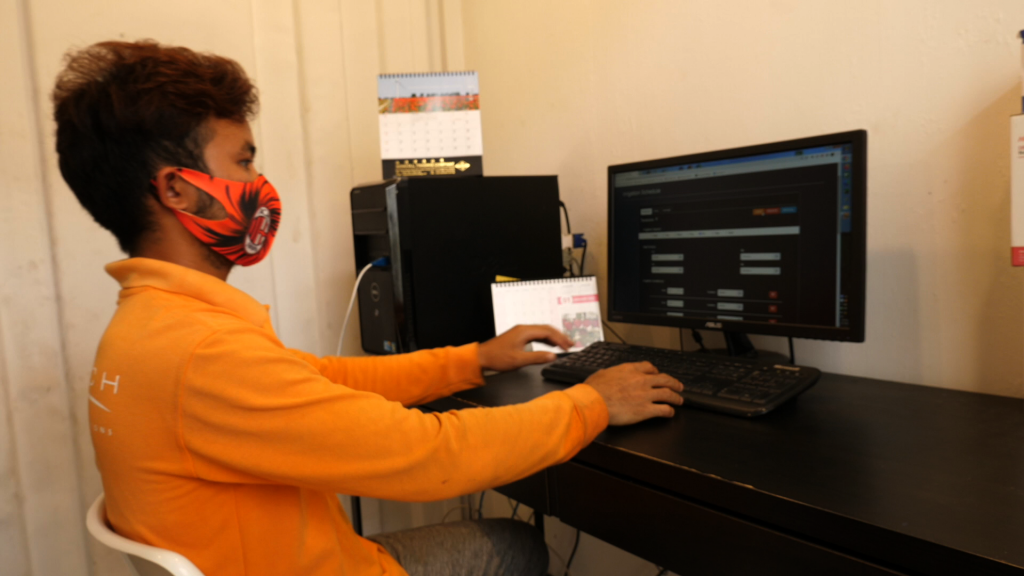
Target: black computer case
<point>446,240</point>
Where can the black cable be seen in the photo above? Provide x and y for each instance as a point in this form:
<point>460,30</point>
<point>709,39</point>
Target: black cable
<point>572,261</point>
<point>573,553</point>
<point>699,340</point>
<point>565,211</point>
<point>515,509</point>
<point>568,230</point>
<point>480,508</point>
<point>792,355</point>
<point>584,258</point>
<point>621,339</point>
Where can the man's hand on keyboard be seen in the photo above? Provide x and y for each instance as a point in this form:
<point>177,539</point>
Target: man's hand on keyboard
<point>635,392</point>
<point>506,351</point>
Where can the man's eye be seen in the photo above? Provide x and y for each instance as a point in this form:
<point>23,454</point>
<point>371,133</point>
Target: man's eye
<point>246,163</point>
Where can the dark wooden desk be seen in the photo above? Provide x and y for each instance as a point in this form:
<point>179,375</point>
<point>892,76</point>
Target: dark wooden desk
<point>856,476</point>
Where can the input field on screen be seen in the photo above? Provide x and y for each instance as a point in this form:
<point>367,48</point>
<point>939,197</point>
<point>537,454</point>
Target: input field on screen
<point>760,256</point>
<point>722,233</point>
<point>760,271</point>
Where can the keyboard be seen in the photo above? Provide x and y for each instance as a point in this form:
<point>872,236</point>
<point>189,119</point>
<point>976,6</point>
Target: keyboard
<point>731,385</point>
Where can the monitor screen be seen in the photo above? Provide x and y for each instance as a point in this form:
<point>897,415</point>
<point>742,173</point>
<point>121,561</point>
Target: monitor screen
<point>766,239</point>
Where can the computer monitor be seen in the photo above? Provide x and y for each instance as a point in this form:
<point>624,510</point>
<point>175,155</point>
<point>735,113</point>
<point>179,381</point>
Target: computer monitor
<point>767,239</point>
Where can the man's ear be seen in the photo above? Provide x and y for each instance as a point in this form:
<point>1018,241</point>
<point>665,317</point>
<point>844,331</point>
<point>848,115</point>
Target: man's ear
<point>173,191</point>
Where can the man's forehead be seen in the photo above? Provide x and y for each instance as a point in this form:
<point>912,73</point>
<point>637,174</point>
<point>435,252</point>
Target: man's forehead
<point>231,134</point>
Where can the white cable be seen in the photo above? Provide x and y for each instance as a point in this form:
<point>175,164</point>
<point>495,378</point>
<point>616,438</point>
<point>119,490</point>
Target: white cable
<point>450,510</point>
<point>351,302</point>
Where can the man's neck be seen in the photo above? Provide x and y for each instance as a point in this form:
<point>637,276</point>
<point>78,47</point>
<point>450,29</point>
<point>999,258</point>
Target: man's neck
<point>187,252</point>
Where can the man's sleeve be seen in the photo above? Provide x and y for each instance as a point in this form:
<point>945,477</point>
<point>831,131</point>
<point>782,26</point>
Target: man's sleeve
<point>253,412</point>
<point>411,379</point>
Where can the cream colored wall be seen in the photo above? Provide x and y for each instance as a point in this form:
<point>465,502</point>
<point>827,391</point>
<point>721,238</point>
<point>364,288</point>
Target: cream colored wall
<point>571,87</point>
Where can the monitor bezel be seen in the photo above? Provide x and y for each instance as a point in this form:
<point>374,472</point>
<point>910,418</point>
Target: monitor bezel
<point>858,219</point>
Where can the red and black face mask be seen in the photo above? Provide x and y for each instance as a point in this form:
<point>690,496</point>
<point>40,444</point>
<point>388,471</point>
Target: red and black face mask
<point>254,213</point>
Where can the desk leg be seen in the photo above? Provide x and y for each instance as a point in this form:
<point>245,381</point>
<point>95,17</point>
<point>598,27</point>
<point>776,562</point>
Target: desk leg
<point>357,514</point>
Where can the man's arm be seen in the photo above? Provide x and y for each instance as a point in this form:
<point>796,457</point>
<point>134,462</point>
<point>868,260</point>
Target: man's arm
<point>426,375</point>
<point>411,379</point>
<point>252,412</point>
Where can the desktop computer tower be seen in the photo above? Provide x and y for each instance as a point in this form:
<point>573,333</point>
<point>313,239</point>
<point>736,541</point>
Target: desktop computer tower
<point>446,239</point>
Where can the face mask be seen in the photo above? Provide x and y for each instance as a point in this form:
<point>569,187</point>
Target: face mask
<point>254,213</point>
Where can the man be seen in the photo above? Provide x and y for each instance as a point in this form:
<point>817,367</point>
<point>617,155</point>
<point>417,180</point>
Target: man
<point>216,441</point>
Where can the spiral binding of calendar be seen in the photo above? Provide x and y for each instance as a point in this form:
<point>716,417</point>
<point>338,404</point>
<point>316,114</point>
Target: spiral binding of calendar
<point>427,74</point>
<point>566,280</point>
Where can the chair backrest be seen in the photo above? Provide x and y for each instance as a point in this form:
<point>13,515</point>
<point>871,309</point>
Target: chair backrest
<point>145,560</point>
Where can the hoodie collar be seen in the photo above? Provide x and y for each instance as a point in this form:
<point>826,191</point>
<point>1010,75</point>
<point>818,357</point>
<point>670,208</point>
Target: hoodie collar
<point>147,272</point>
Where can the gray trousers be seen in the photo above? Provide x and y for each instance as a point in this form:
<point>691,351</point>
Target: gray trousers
<point>490,547</point>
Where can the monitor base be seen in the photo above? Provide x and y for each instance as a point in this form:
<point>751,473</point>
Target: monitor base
<point>739,344</point>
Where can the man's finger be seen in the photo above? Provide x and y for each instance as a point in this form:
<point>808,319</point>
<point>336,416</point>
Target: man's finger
<point>665,381</point>
<point>537,358</point>
<point>660,411</point>
<point>548,334</point>
<point>666,395</point>
<point>645,367</point>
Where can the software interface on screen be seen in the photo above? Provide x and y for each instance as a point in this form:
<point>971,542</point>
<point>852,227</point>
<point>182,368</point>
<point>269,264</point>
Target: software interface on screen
<point>756,239</point>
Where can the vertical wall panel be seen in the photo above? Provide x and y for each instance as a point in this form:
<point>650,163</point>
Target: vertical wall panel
<point>328,141</point>
<point>452,47</point>
<point>283,160</point>
<point>45,473</point>
<point>362,64</point>
<point>14,550</point>
<point>409,36</point>
<point>13,132</point>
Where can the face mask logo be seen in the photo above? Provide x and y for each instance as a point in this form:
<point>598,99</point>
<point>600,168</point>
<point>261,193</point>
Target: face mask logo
<point>258,229</point>
<point>253,215</point>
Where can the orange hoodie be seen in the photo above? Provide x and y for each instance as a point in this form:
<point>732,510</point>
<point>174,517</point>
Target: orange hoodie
<point>217,442</point>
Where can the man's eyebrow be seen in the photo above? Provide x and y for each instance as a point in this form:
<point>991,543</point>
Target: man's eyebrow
<point>249,147</point>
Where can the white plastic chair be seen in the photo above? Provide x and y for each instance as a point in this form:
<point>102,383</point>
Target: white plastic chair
<point>142,560</point>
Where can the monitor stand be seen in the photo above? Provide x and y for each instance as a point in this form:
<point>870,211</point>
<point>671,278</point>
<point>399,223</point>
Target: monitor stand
<point>739,344</point>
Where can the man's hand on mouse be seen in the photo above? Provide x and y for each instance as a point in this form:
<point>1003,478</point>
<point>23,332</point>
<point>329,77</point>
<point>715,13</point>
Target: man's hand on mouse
<point>507,351</point>
<point>635,392</point>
